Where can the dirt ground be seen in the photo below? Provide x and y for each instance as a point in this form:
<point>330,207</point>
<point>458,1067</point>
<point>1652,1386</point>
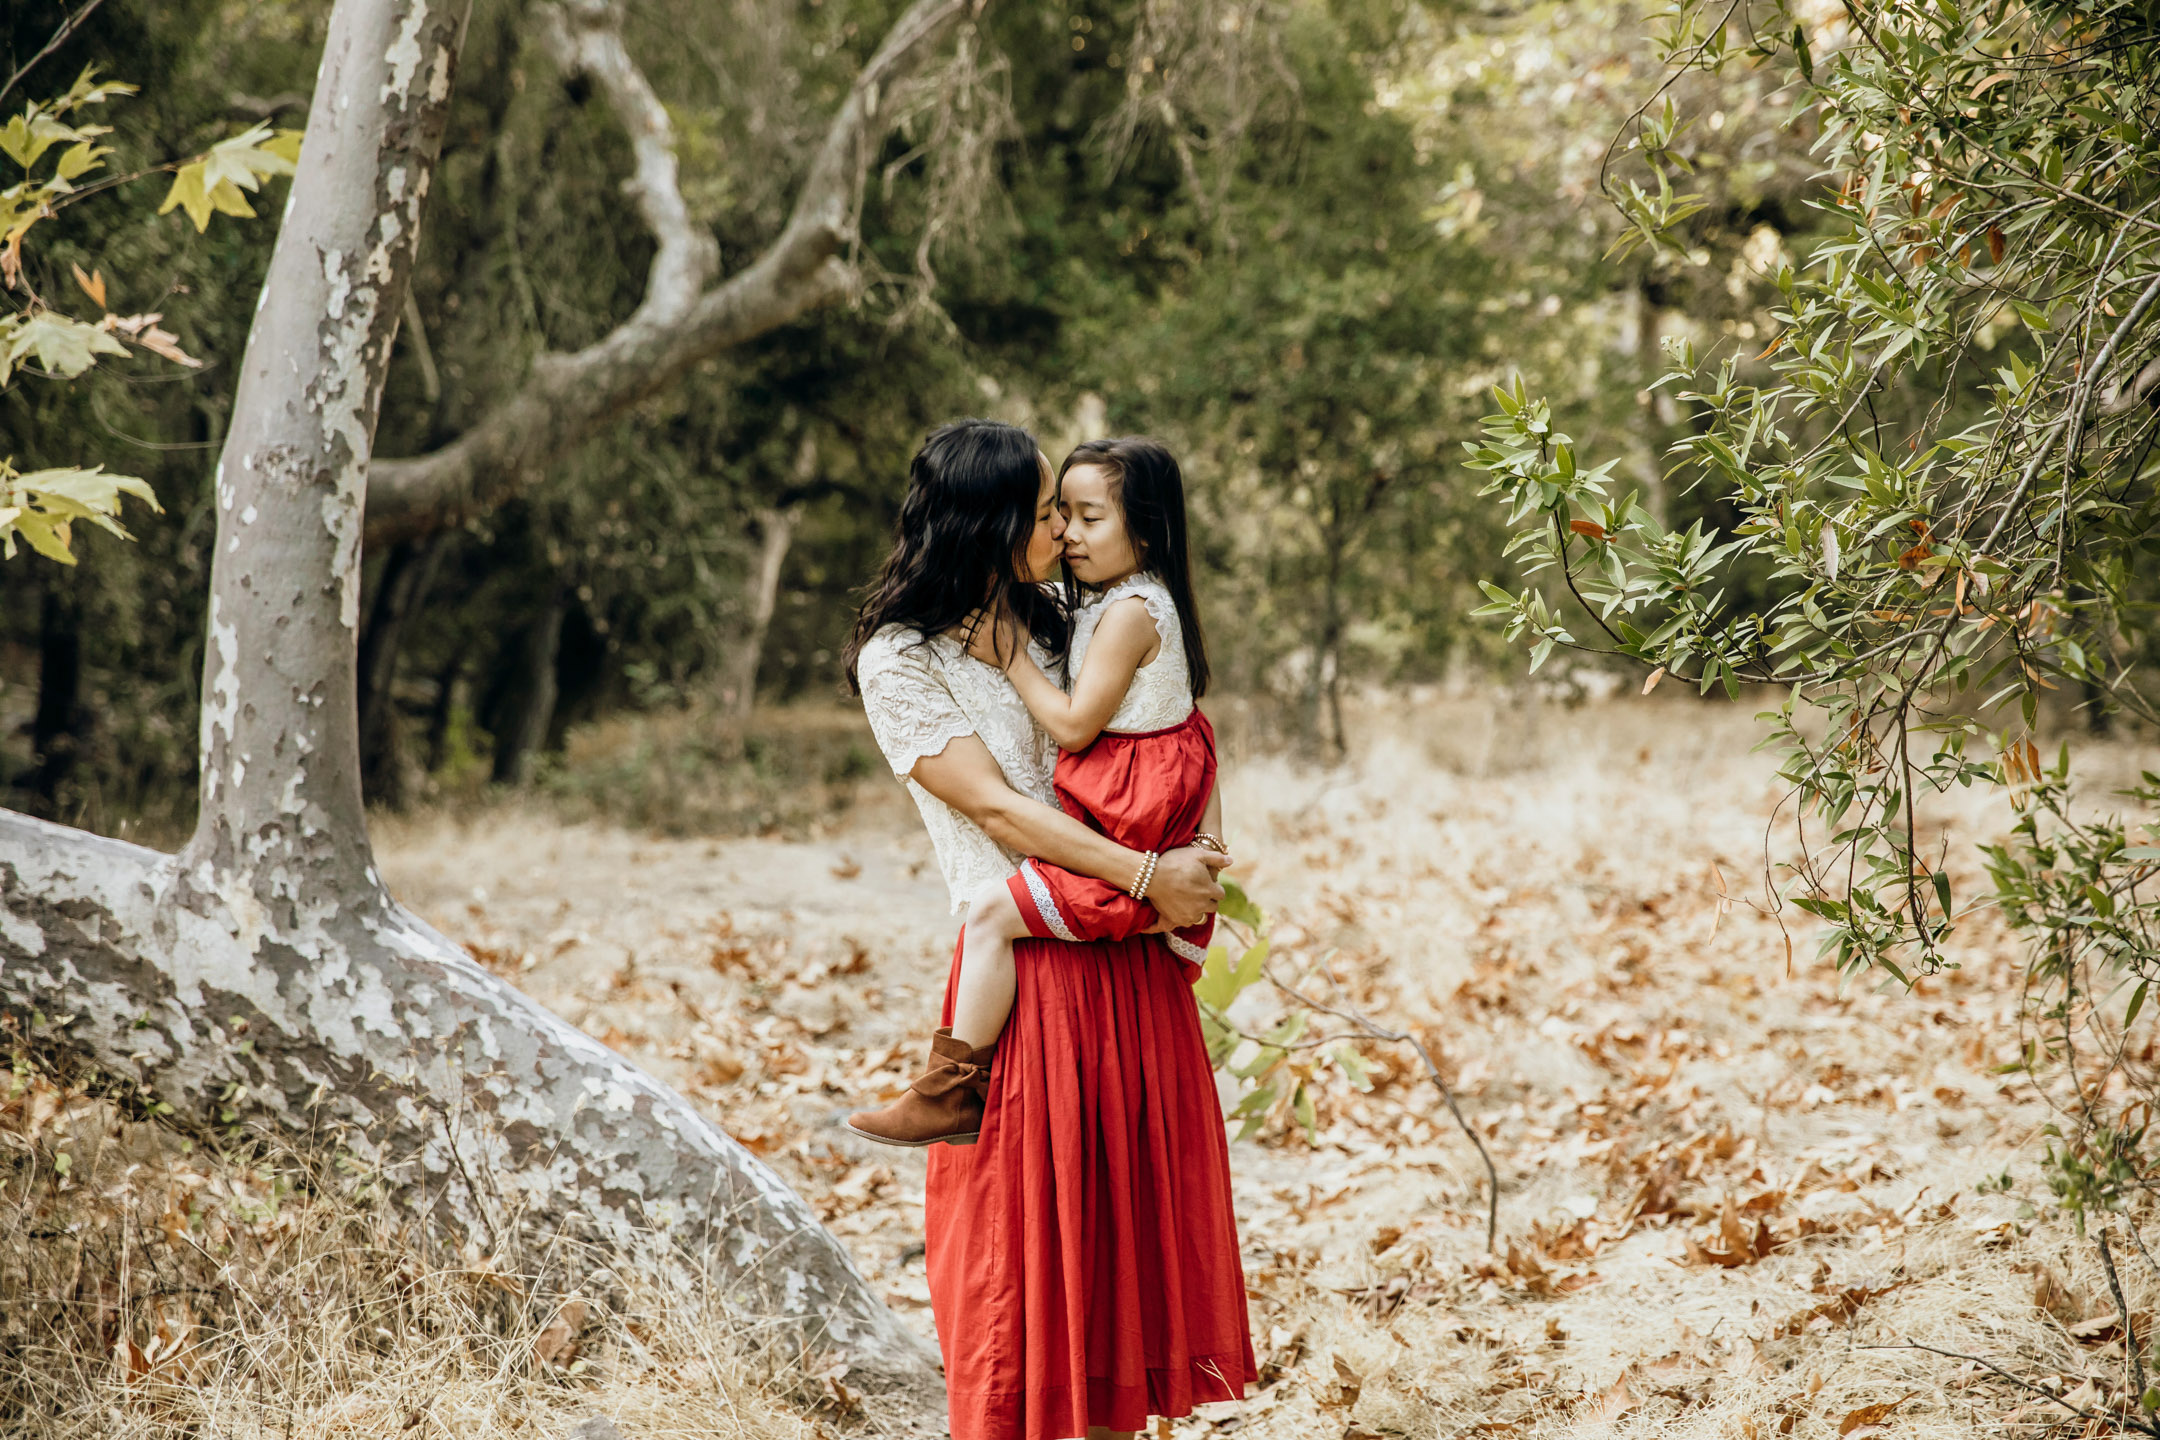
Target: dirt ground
<point>1728,1174</point>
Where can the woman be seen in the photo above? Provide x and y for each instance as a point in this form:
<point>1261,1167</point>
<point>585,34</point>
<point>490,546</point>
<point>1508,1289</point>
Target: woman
<point>1083,1257</point>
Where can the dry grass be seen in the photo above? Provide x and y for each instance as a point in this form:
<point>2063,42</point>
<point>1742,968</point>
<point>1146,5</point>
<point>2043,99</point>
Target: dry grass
<point>1722,1181</point>
<point>149,1288</point>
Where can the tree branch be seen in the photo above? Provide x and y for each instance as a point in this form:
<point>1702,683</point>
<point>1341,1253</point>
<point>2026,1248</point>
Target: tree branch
<point>585,37</point>
<point>566,397</point>
<point>67,28</point>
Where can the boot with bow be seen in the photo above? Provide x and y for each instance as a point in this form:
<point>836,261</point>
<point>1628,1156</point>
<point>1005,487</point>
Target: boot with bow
<point>944,1106</point>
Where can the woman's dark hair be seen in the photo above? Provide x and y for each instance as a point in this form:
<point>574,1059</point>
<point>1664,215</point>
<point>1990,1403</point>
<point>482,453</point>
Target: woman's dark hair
<point>1151,492</point>
<point>962,539</point>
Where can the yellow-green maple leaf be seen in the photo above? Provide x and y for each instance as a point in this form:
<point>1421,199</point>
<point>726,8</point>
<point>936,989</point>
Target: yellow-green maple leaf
<point>65,347</point>
<point>213,182</point>
<point>41,506</point>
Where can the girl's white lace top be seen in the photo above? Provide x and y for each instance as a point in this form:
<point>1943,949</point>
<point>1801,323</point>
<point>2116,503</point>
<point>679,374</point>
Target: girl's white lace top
<point>1160,695</point>
<point>922,696</point>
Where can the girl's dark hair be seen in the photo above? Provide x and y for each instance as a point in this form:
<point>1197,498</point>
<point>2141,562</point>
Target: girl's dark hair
<point>1151,493</point>
<point>962,538</point>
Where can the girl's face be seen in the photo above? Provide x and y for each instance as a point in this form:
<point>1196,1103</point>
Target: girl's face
<point>1098,549</point>
<point>1045,542</point>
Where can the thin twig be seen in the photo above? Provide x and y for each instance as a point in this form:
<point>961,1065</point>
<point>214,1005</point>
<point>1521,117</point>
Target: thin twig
<point>2139,1241</point>
<point>67,28</point>
<point>1432,1072</point>
<point>2130,1340</point>
<point>2005,1375</point>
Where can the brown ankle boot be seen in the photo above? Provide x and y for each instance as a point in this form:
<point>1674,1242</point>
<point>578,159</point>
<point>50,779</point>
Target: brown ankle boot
<point>943,1106</point>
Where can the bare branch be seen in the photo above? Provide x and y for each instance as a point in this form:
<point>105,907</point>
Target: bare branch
<point>1367,1027</point>
<point>67,28</point>
<point>585,36</point>
<point>2129,1324</point>
<point>566,397</point>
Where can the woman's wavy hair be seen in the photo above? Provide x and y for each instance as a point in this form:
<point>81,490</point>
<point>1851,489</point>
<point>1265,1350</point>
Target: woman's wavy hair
<point>1150,491</point>
<point>962,538</point>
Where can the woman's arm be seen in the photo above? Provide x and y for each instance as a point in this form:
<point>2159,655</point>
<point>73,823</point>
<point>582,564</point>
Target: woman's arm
<point>965,777</point>
<point>1125,640</point>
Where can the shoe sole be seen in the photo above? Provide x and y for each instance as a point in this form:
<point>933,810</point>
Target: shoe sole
<point>968,1139</point>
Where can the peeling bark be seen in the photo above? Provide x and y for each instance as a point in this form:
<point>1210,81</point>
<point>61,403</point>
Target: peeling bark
<point>567,397</point>
<point>263,975</point>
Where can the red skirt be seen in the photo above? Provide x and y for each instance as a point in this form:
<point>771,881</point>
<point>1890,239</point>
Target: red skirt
<point>1147,792</point>
<point>1083,1257</point>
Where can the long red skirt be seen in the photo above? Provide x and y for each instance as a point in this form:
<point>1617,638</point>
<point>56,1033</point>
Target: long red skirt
<point>1083,1257</point>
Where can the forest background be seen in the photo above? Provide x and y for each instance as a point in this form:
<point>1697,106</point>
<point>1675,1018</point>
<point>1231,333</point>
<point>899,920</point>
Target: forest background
<point>1894,257</point>
<point>1303,254</point>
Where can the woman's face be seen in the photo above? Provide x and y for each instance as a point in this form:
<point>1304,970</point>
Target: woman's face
<point>1045,546</point>
<point>1098,548</point>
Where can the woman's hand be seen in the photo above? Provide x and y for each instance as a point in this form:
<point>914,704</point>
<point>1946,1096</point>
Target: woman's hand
<point>993,636</point>
<point>1184,891</point>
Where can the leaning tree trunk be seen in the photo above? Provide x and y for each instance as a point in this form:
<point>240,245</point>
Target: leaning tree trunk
<point>776,533</point>
<point>263,973</point>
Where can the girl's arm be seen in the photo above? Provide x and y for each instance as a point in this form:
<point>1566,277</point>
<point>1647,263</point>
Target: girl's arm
<point>1125,640</point>
<point>1211,818</point>
<point>965,777</point>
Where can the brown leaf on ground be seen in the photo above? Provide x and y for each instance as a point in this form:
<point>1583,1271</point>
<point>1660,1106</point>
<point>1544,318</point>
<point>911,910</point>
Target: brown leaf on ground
<point>557,1343</point>
<point>1869,1415</point>
<point>1736,1243</point>
<point>1840,1307</point>
<point>1616,1401</point>
<point>1343,1394</point>
<point>2049,1293</point>
<point>2103,1328</point>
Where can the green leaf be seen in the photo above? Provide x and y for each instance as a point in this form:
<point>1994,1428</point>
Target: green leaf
<point>1239,907</point>
<point>2137,1002</point>
<point>1217,986</point>
<point>30,134</point>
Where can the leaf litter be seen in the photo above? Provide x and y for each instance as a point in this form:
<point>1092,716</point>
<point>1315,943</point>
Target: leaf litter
<point>1721,1180</point>
<point>1723,1171</point>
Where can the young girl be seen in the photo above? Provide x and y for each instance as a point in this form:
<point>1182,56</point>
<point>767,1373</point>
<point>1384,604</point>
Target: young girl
<point>1136,762</point>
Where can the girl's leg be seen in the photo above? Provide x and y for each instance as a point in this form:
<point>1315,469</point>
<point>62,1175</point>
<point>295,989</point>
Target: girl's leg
<point>983,998</point>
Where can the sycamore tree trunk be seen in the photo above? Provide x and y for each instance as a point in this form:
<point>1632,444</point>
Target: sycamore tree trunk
<point>263,975</point>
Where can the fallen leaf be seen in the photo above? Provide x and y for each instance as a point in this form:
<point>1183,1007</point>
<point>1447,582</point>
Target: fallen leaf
<point>1869,1415</point>
<point>1616,1401</point>
<point>557,1343</point>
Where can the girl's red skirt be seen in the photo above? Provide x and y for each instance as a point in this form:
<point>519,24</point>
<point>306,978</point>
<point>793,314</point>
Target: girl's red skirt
<point>1145,791</point>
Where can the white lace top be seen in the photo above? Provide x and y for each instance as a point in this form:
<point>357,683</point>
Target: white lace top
<point>1160,695</point>
<point>920,698</point>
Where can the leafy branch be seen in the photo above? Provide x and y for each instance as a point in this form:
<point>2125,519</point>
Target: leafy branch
<point>41,506</point>
<point>1938,475</point>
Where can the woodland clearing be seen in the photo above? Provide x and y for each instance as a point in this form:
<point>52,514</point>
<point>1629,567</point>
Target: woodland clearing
<point>1726,1172</point>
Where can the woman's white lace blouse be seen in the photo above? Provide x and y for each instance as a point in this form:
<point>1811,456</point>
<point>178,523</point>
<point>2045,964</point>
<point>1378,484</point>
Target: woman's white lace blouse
<point>921,695</point>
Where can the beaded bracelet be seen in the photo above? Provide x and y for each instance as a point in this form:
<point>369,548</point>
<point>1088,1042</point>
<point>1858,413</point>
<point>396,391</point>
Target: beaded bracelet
<point>1138,889</point>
